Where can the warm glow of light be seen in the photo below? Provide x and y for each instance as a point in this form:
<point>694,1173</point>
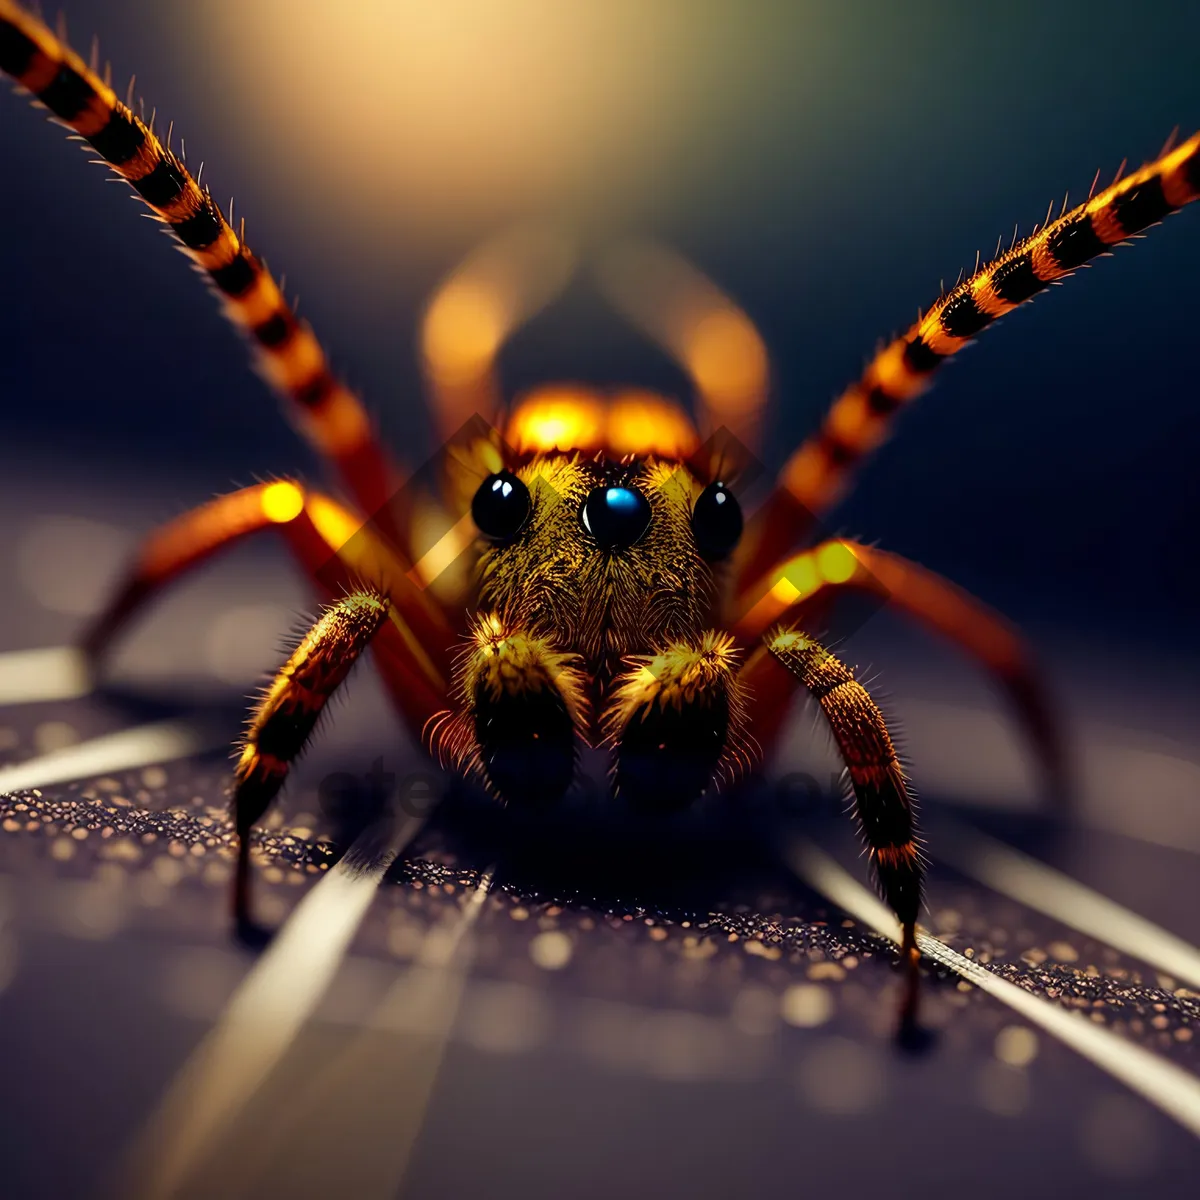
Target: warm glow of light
<point>727,359</point>
<point>572,417</point>
<point>444,552</point>
<point>802,574</point>
<point>697,324</point>
<point>463,330</point>
<point>785,592</point>
<point>282,502</point>
<point>644,423</point>
<point>440,111</point>
<point>503,283</point>
<point>836,562</point>
<point>557,418</point>
<point>335,524</point>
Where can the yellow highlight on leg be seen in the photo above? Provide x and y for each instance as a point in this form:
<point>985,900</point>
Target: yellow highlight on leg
<point>836,562</point>
<point>282,502</point>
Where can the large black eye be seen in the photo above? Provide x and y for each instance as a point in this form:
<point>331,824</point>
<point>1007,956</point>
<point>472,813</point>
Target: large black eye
<point>501,506</point>
<point>615,516</point>
<point>716,521</point>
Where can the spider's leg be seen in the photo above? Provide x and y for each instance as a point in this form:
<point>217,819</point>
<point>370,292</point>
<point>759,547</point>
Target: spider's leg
<point>819,472</point>
<point>329,415</point>
<point>883,798</point>
<point>285,716</point>
<point>334,549</point>
<point>807,583</point>
<point>676,720</point>
<point>700,327</point>
<point>518,706</point>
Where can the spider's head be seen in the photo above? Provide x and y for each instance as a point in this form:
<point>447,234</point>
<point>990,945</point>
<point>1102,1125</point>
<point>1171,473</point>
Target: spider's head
<point>608,540</point>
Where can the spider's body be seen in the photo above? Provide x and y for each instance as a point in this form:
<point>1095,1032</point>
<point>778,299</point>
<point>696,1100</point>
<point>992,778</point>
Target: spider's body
<point>588,579</point>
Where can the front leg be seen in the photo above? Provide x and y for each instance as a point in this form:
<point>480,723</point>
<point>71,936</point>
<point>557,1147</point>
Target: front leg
<point>519,704</point>
<point>677,720</point>
<point>286,714</point>
<point>883,798</point>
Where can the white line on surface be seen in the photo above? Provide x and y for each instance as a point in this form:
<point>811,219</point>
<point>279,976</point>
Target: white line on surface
<point>261,1020</point>
<point>349,1127</point>
<point>161,741</point>
<point>1168,1087</point>
<point>51,673</point>
<point>1041,887</point>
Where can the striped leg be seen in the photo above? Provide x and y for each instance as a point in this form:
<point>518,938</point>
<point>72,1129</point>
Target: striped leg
<point>819,472</point>
<point>328,414</point>
<point>808,582</point>
<point>285,716</point>
<point>332,547</point>
<point>883,798</point>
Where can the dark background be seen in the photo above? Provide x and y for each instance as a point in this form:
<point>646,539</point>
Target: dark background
<point>827,164</point>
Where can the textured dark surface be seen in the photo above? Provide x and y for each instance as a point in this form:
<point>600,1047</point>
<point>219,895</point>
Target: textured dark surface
<point>656,1060</point>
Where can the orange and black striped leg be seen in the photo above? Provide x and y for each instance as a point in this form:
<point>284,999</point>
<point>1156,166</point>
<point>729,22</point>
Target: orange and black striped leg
<point>285,716</point>
<point>807,583</point>
<point>334,550</point>
<point>328,413</point>
<point>820,471</point>
<point>520,705</point>
<point>883,797</point>
<point>677,720</point>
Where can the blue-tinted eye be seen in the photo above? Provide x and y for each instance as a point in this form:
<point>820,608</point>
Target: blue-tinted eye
<point>716,521</point>
<point>615,516</point>
<point>501,506</point>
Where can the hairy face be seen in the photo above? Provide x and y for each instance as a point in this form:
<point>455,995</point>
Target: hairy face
<point>606,563</point>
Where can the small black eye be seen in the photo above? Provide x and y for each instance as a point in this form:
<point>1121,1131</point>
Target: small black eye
<point>501,506</point>
<point>716,521</point>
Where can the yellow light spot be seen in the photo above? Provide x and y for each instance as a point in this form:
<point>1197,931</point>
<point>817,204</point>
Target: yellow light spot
<point>641,422</point>
<point>282,502</point>
<point>803,575</point>
<point>551,950</point>
<point>335,525</point>
<point>785,591</point>
<point>727,359</point>
<point>463,329</point>
<point>444,552</point>
<point>806,1005</point>
<point>1016,1045</point>
<point>557,418</point>
<point>836,562</point>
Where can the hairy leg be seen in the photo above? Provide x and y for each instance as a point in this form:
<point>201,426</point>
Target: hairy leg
<point>328,414</point>
<point>883,797</point>
<point>519,704</point>
<point>332,547</point>
<point>284,717</point>
<point>801,589</point>
<point>677,720</point>
<point>821,471</point>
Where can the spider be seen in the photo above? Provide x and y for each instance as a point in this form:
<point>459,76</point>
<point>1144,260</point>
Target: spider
<point>590,577</point>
